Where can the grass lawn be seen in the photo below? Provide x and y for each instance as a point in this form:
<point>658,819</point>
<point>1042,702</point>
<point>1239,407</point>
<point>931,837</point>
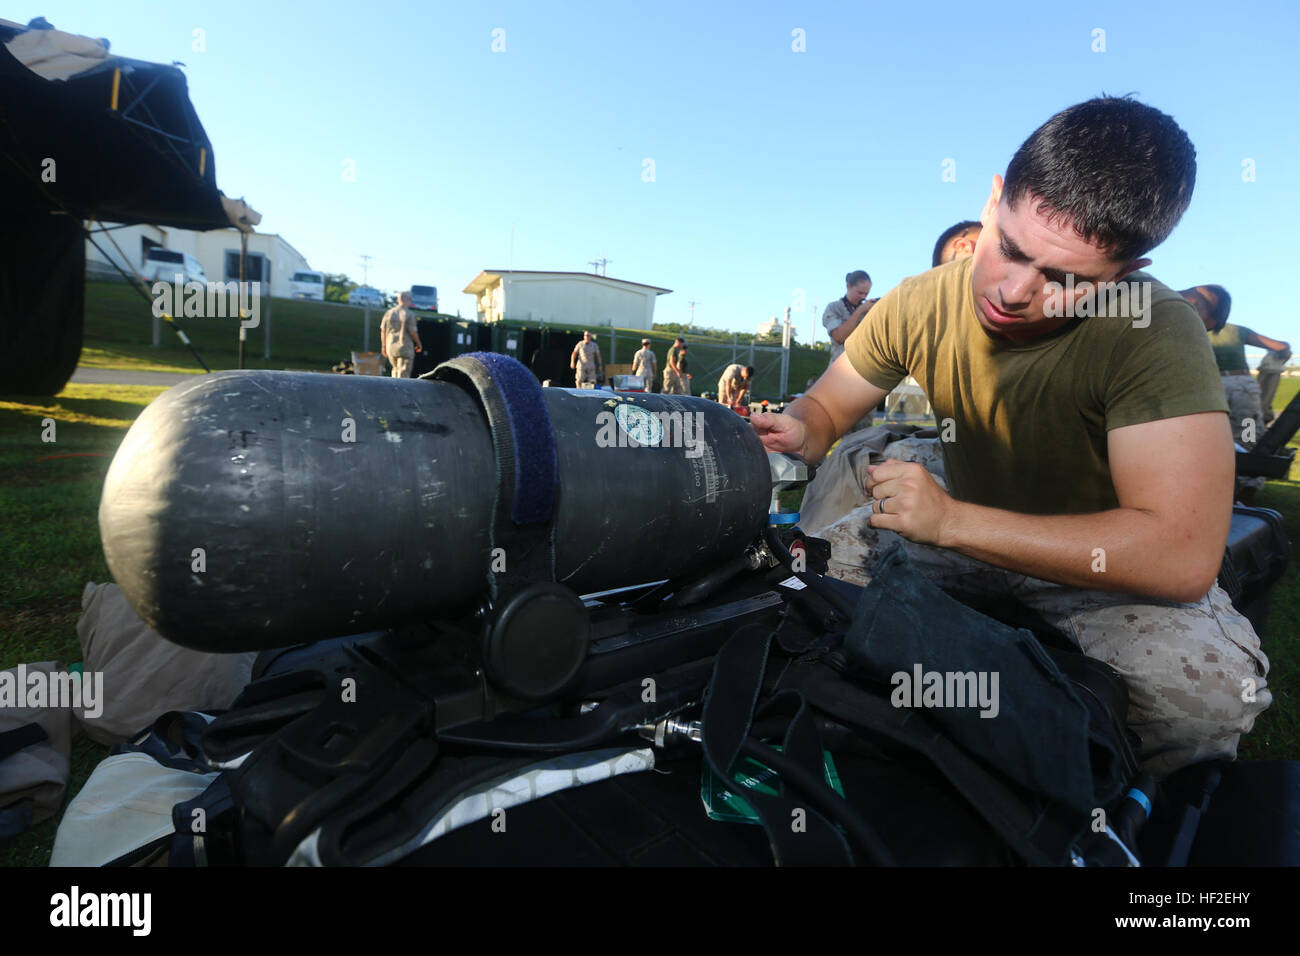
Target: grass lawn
<point>316,335</point>
<point>50,547</point>
<point>304,335</point>
<point>1277,731</point>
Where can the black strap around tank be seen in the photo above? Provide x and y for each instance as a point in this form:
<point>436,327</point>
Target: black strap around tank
<point>527,470</point>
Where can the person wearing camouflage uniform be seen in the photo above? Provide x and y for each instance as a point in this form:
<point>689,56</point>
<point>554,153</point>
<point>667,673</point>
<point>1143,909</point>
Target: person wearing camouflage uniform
<point>1087,457</point>
<point>674,384</point>
<point>400,335</point>
<point>1245,398</point>
<point>643,364</point>
<point>587,365</point>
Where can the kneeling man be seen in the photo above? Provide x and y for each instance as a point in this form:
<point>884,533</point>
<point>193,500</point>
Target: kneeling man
<point>1088,457</point>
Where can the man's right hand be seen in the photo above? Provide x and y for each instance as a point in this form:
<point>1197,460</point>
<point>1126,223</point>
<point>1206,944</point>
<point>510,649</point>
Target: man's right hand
<point>780,433</point>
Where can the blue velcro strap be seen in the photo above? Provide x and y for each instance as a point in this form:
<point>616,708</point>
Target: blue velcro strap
<point>1140,799</point>
<point>783,517</point>
<point>522,433</point>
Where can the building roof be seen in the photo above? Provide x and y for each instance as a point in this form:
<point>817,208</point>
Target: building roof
<point>488,276</point>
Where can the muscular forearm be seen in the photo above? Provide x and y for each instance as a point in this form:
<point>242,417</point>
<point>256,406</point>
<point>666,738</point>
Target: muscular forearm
<point>821,428</point>
<point>1124,549</point>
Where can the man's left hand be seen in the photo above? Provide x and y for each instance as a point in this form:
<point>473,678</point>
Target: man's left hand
<point>909,501</point>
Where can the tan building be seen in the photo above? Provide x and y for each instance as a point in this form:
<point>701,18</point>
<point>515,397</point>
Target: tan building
<point>567,298</point>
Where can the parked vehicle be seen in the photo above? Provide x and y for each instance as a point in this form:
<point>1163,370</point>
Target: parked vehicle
<point>424,298</point>
<point>365,295</point>
<point>164,265</point>
<point>305,284</point>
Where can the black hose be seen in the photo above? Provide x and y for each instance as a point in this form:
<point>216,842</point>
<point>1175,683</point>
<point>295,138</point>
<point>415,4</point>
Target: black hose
<point>699,590</point>
<point>824,800</point>
<point>814,581</point>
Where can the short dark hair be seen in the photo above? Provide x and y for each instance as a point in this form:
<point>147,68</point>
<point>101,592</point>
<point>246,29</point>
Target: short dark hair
<point>856,276</point>
<point>749,371</point>
<point>949,234</point>
<point>680,339</point>
<point>1220,306</point>
<point>1119,171</point>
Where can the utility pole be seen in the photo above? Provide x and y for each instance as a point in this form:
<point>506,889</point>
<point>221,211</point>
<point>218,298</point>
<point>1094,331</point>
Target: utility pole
<point>692,304</point>
<point>598,265</point>
<point>785,355</point>
<point>365,316</point>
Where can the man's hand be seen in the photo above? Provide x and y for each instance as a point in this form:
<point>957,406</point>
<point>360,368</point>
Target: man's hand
<point>909,501</point>
<point>780,433</point>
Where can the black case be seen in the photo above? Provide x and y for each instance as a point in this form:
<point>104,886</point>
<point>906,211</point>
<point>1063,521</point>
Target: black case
<point>1257,554</point>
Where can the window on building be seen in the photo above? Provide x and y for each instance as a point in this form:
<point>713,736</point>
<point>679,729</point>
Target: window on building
<point>145,245</point>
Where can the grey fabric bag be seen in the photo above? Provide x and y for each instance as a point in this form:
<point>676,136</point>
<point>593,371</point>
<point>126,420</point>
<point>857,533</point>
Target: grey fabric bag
<point>838,487</point>
<point>145,675</point>
<point>34,775</point>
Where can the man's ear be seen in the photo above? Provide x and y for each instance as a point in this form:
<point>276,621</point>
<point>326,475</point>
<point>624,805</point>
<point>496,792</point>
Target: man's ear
<point>995,196</point>
<point>1129,267</point>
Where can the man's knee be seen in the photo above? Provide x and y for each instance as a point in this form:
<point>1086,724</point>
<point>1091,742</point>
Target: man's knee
<point>1195,673</point>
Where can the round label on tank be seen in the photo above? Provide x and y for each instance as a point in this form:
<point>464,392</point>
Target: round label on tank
<point>639,425</point>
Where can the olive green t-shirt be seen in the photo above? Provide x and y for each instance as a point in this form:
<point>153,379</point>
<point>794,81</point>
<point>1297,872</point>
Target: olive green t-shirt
<point>1230,348</point>
<point>1029,420</point>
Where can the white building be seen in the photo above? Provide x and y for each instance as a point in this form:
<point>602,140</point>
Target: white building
<point>566,298</point>
<point>270,258</point>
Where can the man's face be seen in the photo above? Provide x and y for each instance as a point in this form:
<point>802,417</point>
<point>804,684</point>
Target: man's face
<point>858,292</point>
<point>1018,254</point>
<point>1203,300</point>
<point>586,336</point>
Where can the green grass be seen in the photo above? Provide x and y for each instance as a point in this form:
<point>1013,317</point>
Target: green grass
<point>304,335</point>
<point>1277,731</point>
<point>316,335</point>
<point>50,547</point>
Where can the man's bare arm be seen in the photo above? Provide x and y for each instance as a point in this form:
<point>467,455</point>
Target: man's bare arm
<point>813,423</point>
<point>1174,481</point>
<point>1264,342</point>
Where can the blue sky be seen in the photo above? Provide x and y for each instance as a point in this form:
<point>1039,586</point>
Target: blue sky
<point>774,170</point>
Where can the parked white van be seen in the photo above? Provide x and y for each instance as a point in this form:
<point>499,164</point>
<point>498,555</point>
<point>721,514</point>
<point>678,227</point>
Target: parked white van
<point>163,265</point>
<point>424,298</point>
<point>305,284</point>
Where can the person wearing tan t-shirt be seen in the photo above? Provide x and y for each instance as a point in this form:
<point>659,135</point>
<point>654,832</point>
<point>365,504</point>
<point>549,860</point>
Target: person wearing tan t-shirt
<point>1088,455</point>
<point>588,367</point>
<point>400,335</point>
<point>733,384</point>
